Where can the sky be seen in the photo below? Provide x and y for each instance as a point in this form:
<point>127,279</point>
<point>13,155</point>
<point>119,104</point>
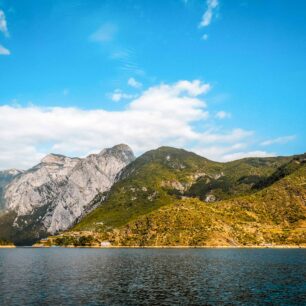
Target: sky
<point>223,78</point>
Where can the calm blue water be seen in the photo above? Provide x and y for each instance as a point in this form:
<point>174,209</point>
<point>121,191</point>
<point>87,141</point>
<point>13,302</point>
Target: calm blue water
<point>152,277</point>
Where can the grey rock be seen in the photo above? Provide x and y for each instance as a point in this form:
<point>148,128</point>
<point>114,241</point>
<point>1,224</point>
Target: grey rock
<point>6,176</point>
<point>65,186</point>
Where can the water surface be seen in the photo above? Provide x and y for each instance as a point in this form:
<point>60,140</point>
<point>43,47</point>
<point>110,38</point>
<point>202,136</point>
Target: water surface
<point>59,276</point>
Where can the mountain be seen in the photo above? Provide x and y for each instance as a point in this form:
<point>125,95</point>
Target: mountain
<point>52,195</point>
<point>170,196</point>
<point>276,215</point>
<point>6,176</point>
<point>160,177</point>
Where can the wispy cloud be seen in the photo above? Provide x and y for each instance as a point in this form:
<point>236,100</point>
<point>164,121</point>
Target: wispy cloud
<point>134,83</point>
<point>279,140</point>
<point>222,115</point>
<point>164,114</point>
<point>121,54</point>
<point>3,24</point>
<point>229,137</point>
<point>230,152</point>
<point>209,13</point>
<point>119,95</point>
<point>4,51</point>
<point>239,155</point>
<point>105,33</point>
<point>124,56</point>
<point>131,67</point>
<point>127,59</point>
<point>4,30</point>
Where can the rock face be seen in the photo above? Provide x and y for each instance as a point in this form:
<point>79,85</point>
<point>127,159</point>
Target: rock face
<point>60,189</point>
<point>6,176</point>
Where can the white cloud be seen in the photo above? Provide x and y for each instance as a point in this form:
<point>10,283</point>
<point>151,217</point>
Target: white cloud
<point>239,155</point>
<point>208,14</point>
<point>134,83</point>
<point>19,155</point>
<point>162,115</point>
<point>4,51</point>
<point>225,153</point>
<point>216,152</point>
<point>194,88</point>
<point>118,95</point>
<point>3,24</point>
<point>279,140</point>
<point>230,137</point>
<point>104,34</point>
<point>223,115</point>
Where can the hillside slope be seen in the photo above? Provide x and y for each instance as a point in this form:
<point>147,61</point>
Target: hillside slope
<point>161,177</point>
<point>276,215</point>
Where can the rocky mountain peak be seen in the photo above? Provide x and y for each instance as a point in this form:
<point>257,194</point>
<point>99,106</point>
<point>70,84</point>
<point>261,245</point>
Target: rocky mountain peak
<point>53,158</point>
<point>121,151</point>
<point>60,189</point>
<point>122,147</point>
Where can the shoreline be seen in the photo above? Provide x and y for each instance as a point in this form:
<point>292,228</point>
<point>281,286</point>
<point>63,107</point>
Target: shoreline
<point>7,246</point>
<point>175,247</point>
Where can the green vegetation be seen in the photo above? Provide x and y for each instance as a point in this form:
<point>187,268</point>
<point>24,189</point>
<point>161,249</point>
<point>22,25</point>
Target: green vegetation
<point>27,230</point>
<point>282,171</point>
<point>6,243</point>
<point>75,241</point>
<point>276,215</point>
<point>162,176</point>
<point>171,197</point>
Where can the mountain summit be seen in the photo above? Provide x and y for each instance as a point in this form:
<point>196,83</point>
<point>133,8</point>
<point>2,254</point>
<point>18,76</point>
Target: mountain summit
<point>52,195</point>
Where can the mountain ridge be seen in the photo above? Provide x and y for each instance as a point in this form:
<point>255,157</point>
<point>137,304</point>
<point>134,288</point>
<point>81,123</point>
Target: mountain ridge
<point>275,215</point>
<point>153,188</point>
<point>53,194</point>
<point>165,173</point>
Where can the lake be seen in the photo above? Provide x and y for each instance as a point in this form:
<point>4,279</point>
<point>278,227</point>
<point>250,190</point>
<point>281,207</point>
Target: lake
<point>59,276</point>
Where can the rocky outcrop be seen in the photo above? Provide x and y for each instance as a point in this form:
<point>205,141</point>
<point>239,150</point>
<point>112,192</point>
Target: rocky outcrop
<point>6,176</point>
<point>60,189</point>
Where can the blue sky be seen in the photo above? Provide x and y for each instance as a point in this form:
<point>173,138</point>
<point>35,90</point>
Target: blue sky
<point>77,76</point>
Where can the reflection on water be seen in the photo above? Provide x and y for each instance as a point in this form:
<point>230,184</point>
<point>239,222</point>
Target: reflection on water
<point>59,276</point>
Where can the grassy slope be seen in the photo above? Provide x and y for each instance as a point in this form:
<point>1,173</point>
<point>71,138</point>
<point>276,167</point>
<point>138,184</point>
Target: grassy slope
<point>274,215</point>
<point>140,191</point>
<point>240,177</point>
<point>153,180</point>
